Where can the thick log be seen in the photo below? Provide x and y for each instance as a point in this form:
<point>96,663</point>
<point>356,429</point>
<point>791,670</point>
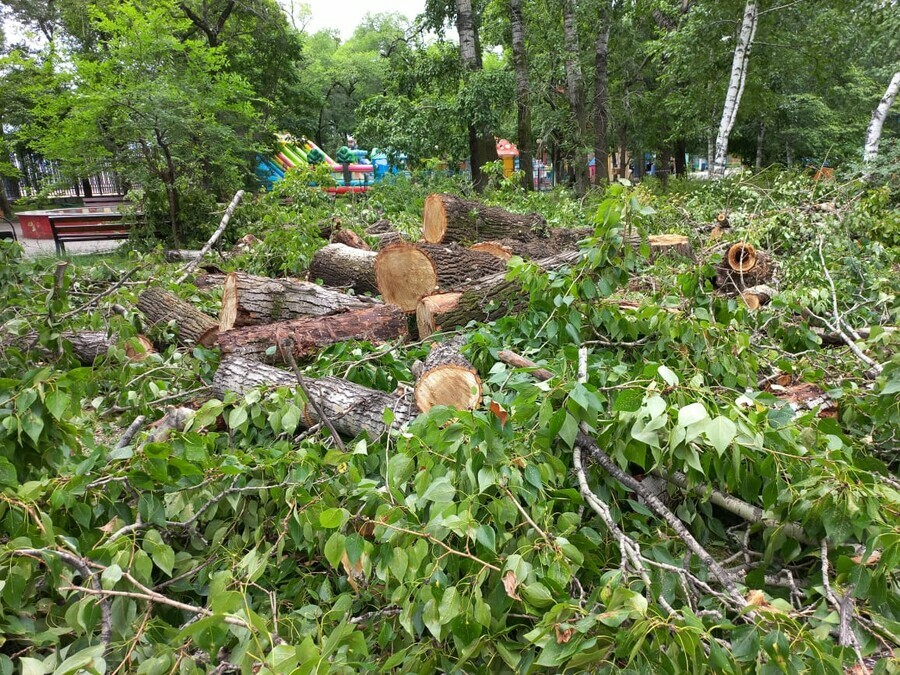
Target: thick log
<point>558,239</point>
<point>757,296</point>
<point>487,299</point>
<point>194,327</point>
<point>380,227</point>
<point>388,238</point>
<point>743,267</point>
<point>87,345</point>
<point>406,273</point>
<point>209,280</point>
<point>447,378</point>
<point>249,300</point>
<point>447,218</point>
<point>342,266</point>
<point>351,239</point>
<point>664,244</point>
<point>379,323</point>
<point>351,408</point>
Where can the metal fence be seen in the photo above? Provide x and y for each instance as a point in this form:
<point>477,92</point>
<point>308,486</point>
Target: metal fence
<point>42,176</point>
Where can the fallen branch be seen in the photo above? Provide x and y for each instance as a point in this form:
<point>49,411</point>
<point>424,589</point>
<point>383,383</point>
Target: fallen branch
<point>132,429</point>
<point>844,608</point>
<point>519,361</point>
<point>186,272</point>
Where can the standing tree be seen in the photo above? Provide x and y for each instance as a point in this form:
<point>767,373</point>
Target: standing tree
<point>601,97</point>
<point>523,103</point>
<point>873,133</point>
<point>575,91</point>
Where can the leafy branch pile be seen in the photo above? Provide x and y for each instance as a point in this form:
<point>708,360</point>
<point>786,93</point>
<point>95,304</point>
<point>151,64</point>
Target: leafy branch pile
<point>659,494</point>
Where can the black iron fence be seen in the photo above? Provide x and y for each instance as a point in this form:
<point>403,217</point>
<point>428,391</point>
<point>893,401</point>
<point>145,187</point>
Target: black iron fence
<point>42,176</point>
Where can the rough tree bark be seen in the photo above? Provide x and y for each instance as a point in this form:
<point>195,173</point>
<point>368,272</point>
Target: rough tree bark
<point>558,239</point>
<point>575,91</point>
<point>351,408</point>
<point>523,105</point>
<point>380,323</point>
<point>873,133</point>
<point>343,266</point>
<point>406,273</point>
<point>760,137</point>
<point>739,67</point>
<point>248,300</point>
<point>601,98</point>
<point>447,218</point>
<point>470,55</point>
<point>194,327</point>
<point>447,378</point>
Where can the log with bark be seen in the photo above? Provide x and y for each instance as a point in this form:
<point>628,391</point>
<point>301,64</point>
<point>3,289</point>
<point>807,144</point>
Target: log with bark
<point>448,218</point>
<point>447,378</point>
<point>558,239</point>
<point>743,267</point>
<point>757,296</point>
<point>342,266</point>
<point>379,323</point>
<point>194,327</point>
<point>249,300</point>
<point>351,408</point>
<point>486,299</point>
<point>87,345</point>
<point>406,273</point>
<point>351,239</point>
<point>181,255</point>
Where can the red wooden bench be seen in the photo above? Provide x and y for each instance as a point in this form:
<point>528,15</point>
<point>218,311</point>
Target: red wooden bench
<point>107,200</point>
<point>91,226</point>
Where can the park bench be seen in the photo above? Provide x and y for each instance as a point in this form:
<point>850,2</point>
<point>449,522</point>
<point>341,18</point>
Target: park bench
<point>86,227</point>
<point>108,200</point>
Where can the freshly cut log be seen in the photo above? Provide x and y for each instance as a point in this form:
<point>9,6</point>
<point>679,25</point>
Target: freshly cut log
<point>249,300</point>
<point>663,244</point>
<point>351,408</point>
<point>350,238</point>
<point>388,238</point>
<point>743,267</point>
<point>447,218</point>
<point>87,345</point>
<point>379,323</point>
<point>486,299</point>
<point>758,296</point>
<point>406,273</point>
<point>557,240</point>
<point>494,248</point>
<point>447,378</point>
<point>342,266</point>
<point>194,327</point>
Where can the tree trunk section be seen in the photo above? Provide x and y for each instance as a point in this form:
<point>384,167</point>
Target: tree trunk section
<point>406,273</point>
<point>523,105</point>
<point>470,55</point>
<point>350,238</point>
<point>447,218</point>
<point>873,133</point>
<point>757,296</point>
<point>739,67</point>
<point>248,300</point>
<point>351,408</point>
<point>743,267</point>
<point>760,137</point>
<point>308,335</point>
<point>485,300</point>
<point>342,266</point>
<point>680,151</point>
<point>447,378</point>
<point>601,100</point>
<point>194,327</point>
<point>623,152</point>
<point>559,239</point>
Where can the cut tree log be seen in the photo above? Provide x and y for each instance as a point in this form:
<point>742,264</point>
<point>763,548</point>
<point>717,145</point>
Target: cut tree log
<point>757,296</point>
<point>406,273</point>
<point>350,238</point>
<point>558,239</point>
<point>209,280</point>
<point>379,323</point>
<point>342,266</point>
<point>743,267</point>
<point>351,408</point>
<point>181,255</point>
<point>447,218</point>
<point>388,238</point>
<point>380,227</point>
<point>249,300</point>
<point>447,378</point>
<point>194,327</point>
<point>486,299</point>
<point>664,244</point>
<point>87,345</point>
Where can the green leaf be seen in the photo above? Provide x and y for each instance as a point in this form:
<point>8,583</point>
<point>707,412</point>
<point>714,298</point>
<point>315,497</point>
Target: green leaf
<point>57,402</point>
<point>32,425</point>
<point>668,376</point>
<point>90,660</point>
<point>450,606</point>
<point>486,536</point>
<point>333,518</point>
<point>30,666</point>
<point>431,616</point>
<point>290,419</point>
<point>440,491</point>
<point>399,563</point>
<point>569,430</point>
<point>237,417</point>
<point>334,549</point>
<point>691,414</point>
<point>721,432</point>
<point>536,594</point>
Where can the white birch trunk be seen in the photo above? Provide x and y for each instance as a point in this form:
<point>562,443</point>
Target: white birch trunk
<point>739,67</point>
<point>873,133</point>
<point>465,26</point>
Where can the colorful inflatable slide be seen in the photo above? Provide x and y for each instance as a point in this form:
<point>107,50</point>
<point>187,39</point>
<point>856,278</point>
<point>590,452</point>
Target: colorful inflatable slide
<point>353,172</point>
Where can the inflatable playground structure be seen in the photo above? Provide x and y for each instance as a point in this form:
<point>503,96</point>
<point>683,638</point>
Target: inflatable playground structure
<point>353,170</point>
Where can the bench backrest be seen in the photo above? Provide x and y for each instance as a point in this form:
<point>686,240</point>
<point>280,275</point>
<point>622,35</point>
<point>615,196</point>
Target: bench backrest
<point>109,200</point>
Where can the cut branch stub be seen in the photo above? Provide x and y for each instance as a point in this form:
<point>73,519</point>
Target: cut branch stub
<point>742,257</point>
<point>448,218</point>
<point>447,378</point>
<point>430,309</point>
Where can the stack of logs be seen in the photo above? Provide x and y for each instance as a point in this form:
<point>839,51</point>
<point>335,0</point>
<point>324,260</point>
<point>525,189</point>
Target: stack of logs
<point>455,275</point>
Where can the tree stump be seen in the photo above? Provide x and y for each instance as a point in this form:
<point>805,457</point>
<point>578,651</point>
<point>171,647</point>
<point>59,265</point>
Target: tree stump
<point>757,296</point>
<point>665,244</point>
<point>249,300</point>
<point>194,327</point>
<point>379,323</point>
<point>447,218</point>
<point>351,408</point>
<point>743,267</point>
<point>406,273</point>
<point>342,266</point>
<point>447,378</point>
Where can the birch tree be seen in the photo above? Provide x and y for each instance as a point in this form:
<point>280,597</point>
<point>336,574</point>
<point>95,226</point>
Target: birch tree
<point>471,59</point>
<point>739,66</point>
<point>523,104</point>
<point>873,133</point>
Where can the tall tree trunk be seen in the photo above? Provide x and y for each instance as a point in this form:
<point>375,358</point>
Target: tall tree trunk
<point>86,187</point>
<point>523,106</point>
<point>623,151</point>
<point>601,99</point>
<point>873,133</point>
<point>680,151</point>
<point>471,60</point>
<point>789,154</point>
<point>739,67</point>
<point>574,85</point>
<point>760,137</point>
<point>710,153</point>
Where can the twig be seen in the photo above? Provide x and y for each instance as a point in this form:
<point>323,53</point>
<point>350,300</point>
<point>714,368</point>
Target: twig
<point>387,611</point>
<point>186,272</point>
<point>845,609</point>
<point>132,429</point>
<point>582,365</point>
<point>608,343</point>
<point>81,566</point>
<point>550,540</point>
<point>97,298</point>
<point>434,540</point>
<point>289,357</point>
<point>58,279</point>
